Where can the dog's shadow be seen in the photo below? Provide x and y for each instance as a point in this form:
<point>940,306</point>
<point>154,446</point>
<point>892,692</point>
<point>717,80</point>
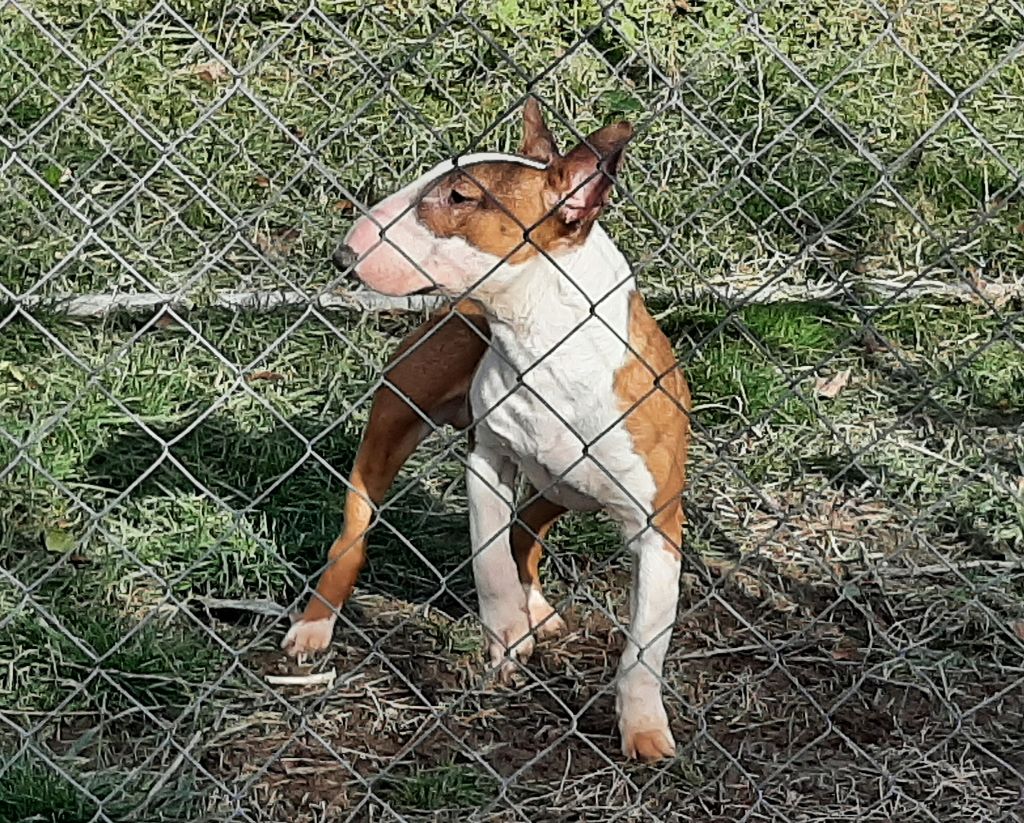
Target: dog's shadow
<point>291,498</point>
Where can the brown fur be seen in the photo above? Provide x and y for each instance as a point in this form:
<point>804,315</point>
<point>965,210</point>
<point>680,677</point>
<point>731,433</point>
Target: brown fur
<point>655,397</point>
<point>514,211</point>
<point>493,193</point>
<point>538,141</point>
<point>430,380</point>
<point>529,531</point>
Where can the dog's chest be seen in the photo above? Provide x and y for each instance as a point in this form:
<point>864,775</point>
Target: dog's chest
<point>551,407</point>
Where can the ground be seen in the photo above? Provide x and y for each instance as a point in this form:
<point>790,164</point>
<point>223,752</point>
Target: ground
<point>834,249</point>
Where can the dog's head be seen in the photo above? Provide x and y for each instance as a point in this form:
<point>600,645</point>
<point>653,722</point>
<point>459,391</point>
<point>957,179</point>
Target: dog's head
<point>469,218</point>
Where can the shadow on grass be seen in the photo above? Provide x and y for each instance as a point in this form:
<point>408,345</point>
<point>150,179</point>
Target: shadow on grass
<point>30,790</point>
<point>69,641</point>
<point>286,495</point>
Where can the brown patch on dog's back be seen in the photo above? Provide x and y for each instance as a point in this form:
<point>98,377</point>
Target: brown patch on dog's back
<point>654,395</point>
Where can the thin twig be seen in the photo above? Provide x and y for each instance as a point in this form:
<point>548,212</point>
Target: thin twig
<point>950,568</point>
<point>99,305</point>
<point>312,679</point>
<point>267,607</point>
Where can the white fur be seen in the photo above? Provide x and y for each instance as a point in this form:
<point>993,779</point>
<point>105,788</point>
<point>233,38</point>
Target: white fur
<point>416,186</point>
<point>544,402</point>
<point>653,611</point>
<point>396,248</point>
<point>504,610</point>
<point>544,393</point>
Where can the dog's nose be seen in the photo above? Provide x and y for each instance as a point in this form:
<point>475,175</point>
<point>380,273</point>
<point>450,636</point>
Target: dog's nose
<point>344,258</point>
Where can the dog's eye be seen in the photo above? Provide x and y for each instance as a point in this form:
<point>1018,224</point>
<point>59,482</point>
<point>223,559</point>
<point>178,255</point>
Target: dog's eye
<point>457,197</point>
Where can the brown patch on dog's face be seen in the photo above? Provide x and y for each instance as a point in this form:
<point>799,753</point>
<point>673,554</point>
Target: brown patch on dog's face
<point>504,209</point>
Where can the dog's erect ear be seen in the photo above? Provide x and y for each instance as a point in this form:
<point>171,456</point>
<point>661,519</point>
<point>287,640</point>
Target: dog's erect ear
<point>538,142</point>
<point>583,178</point>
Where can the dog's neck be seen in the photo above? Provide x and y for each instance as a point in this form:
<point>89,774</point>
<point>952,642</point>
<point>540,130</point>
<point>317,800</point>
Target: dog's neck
<point>540,303</point>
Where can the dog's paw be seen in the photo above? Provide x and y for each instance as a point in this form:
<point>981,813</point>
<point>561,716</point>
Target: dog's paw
<point>510,647</point>
<point>544,620</point>
<point>307,637</point>
<point>648,744</point>
<point>643,722</point>
<point>514,630</point>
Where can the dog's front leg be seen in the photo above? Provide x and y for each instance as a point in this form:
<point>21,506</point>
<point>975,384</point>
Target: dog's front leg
<point>490,480</point>
<point>428,378</point>
<point>643,722</point>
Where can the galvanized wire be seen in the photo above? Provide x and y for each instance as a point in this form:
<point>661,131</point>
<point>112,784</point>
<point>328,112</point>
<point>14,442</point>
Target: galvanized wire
<point>765,612</point>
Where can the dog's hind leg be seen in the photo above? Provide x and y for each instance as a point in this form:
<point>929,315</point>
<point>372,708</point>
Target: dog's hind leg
<point>529,530</point>
<point>426,385</point>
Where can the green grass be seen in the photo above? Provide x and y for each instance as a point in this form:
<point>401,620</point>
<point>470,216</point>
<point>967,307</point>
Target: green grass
<point>997,376</point>
<point>32,791</point>
<point>975,356</point>
<point>804,330</point>
<point>806,173</point>
<point>741,363</point>
<point>449,787</point>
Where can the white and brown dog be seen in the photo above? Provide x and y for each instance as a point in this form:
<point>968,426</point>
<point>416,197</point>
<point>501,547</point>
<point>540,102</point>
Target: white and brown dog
<point>578,390</point>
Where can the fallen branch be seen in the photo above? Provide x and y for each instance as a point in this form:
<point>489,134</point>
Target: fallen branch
<point>939,569</point>
<point>265,607</point>
<point>99,305</point>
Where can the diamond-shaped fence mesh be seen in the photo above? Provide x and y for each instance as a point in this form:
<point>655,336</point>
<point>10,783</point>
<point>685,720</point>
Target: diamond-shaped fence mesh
<point>822,205</point>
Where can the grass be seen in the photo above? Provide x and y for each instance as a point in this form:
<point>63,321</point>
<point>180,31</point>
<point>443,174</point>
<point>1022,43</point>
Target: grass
<point>448,787</point>
<point>805,171</point>
<point>997,376</point>
<point>32,791</point>
<point>147,464</point>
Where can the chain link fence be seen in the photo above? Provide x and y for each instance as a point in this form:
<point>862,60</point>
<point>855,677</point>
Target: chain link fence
<point>823,206</point>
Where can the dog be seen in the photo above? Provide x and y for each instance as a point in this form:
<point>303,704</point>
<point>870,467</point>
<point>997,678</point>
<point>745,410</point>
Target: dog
<point>566,380</point>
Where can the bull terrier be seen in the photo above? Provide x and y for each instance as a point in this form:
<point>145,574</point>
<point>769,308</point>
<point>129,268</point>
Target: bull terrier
<point>566,379</point>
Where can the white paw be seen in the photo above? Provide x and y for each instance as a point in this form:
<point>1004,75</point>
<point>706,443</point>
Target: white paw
<point>643,722</point>
<point>509,646</point>
<point>544,620</point>
<point>513,630</point>
<point>308,636</point>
